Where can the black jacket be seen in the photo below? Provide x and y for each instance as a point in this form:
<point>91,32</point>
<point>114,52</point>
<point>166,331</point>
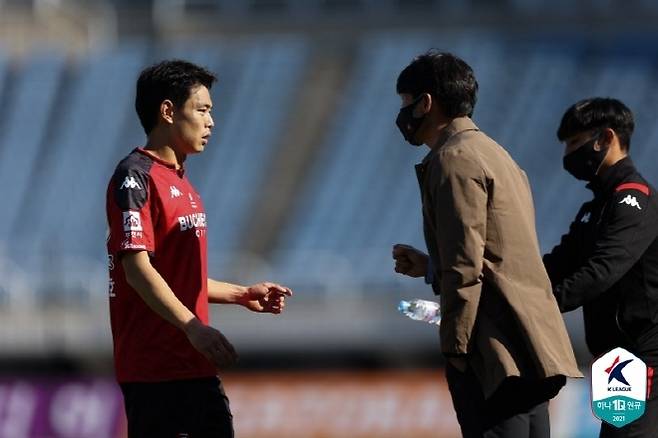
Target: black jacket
<point>608,263</point>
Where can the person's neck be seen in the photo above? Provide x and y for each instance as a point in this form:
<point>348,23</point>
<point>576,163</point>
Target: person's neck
<point>162,149</point>
<point>614,156</point>
<point>437,138</point>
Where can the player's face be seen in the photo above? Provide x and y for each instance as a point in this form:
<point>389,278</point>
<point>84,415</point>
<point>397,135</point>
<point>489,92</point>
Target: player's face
<point>574,142</point>
<point>193,121</point>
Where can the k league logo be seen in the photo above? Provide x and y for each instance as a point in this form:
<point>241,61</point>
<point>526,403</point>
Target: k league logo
<point>615,372</point>
<point>619,387</point>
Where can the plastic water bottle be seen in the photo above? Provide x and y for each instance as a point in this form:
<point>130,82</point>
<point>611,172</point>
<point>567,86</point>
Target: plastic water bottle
<point>421,310</point>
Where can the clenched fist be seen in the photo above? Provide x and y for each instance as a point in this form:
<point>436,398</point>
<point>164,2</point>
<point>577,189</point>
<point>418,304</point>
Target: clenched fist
<point>410,261</point>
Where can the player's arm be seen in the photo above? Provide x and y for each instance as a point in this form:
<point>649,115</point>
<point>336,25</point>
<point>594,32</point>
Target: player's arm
<point>627,231</point>
<point>262,297</point>
<point>157,294</point>
<point>153,289</point>
<point>564,257</point>
<point>461,193</point>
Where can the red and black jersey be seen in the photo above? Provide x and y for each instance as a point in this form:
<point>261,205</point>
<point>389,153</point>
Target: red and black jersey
<point>151,206</point>
<point>608,263</point>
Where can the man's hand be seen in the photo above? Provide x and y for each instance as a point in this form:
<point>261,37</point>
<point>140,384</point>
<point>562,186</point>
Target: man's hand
<point>211,343</point>
<point>265,298</point>
<point>410,261</point>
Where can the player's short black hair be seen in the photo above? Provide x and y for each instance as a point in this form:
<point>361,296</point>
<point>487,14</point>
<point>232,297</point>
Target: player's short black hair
<point>446,77</point>
<point>171,79</point>
<point>598,112</point>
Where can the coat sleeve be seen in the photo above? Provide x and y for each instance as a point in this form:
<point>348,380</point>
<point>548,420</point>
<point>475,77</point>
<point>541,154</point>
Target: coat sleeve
<point>429,276</point>
<point>563,258</point>
<point>460,195</point>
<point>629,227</point>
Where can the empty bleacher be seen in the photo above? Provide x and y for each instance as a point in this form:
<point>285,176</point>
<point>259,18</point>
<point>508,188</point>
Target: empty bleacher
<point>70,119</point>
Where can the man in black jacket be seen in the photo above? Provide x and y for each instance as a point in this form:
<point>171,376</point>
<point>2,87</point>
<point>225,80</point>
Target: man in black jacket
<point>608,261</point>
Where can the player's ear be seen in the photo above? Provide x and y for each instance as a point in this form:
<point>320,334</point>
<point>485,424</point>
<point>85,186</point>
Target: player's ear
<point>167,111</point>
<point>426,104</point>
<point>606,138</point>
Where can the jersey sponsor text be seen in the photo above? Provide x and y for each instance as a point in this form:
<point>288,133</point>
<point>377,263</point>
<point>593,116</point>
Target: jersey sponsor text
<point>194,220</point>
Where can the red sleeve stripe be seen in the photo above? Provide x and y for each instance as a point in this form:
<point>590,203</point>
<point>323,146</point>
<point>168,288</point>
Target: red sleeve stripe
<point>649,380</point>
<point>633,186</point>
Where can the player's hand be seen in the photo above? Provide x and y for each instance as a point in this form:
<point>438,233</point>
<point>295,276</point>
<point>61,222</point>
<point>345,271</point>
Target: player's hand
<point>211,343</point>
<point>265,298</point>
<point>410,261</point>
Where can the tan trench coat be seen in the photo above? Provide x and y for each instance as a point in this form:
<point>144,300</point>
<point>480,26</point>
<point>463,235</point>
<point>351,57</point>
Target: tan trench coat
<point>496,298</point>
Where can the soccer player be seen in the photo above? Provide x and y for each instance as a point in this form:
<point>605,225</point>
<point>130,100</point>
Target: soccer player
<point>506,345</point>
<point>166,355</point>
<point>608,261</point>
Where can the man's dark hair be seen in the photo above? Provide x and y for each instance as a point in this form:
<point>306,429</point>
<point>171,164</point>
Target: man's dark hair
<point>598,112</point>
<point>446,77</point>
<point>172,80</point>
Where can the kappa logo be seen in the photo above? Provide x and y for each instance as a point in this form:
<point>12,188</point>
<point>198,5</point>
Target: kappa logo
<point>586,217</point>
<point>630,200</point>
<point>615,371</point>
<point>129,183</point>
<point>175,193</point>
<point>132,221</point>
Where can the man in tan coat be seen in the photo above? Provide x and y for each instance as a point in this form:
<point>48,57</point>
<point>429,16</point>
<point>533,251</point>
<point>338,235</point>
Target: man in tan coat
<point>501,331</point>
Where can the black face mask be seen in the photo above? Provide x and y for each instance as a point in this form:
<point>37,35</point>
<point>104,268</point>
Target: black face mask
<point>408,124</point>
<point>584,161</point>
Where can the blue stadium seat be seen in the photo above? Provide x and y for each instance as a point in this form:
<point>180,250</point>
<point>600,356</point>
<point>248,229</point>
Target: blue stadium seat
<point>24,144</point>
<point>361,197</point>
<point>256,87</point>
<point>84,144</point>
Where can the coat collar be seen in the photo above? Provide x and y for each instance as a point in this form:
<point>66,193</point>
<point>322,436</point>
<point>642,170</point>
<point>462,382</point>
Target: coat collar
<point>456,126</point>
<point>460,124</point>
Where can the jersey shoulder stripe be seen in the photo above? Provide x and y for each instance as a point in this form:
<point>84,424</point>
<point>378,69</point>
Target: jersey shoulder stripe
<point>634,186</point>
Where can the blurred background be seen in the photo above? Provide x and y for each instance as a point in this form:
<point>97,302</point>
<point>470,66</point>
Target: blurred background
<point>306,182</point>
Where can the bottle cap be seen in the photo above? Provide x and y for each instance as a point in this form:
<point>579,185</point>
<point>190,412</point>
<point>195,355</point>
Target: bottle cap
<point>404,305</point>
